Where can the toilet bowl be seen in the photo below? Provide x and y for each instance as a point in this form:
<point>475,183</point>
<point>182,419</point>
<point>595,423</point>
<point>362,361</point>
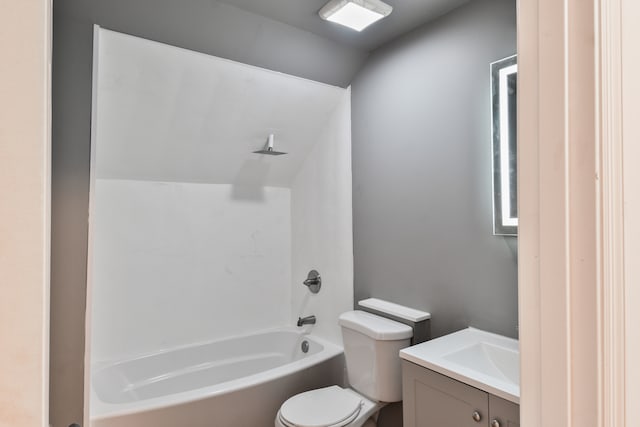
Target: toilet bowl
<point>332,406</point>
<point>371,347</point>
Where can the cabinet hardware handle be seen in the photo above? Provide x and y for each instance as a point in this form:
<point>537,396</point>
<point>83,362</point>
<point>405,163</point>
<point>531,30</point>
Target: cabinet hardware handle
<point>476,416</point>
<point>495,423</point>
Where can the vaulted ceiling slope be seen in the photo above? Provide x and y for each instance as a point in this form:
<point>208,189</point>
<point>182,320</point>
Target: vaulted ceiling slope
<point>303,14</point>
<point>280,35</point>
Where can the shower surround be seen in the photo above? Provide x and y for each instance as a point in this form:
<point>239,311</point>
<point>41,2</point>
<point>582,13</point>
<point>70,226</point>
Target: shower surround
<point>194,238</point>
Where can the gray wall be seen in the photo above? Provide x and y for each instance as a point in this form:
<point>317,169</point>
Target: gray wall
<point>422,173</point>
<point>202,25</point>
<point>71,86</point>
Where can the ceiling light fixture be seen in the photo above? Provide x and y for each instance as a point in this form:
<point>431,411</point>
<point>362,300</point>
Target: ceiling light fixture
<point>355,14</point>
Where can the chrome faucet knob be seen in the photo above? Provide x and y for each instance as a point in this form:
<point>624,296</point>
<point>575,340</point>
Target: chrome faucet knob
<point>313,281</point>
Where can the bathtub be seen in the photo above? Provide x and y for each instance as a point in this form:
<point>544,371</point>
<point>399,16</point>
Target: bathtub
<point>234,382</point>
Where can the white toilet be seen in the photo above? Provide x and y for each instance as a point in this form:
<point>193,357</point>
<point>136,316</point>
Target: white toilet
<point>371,347</point>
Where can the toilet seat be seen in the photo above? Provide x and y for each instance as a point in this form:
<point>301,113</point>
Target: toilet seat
<point>326,407</point>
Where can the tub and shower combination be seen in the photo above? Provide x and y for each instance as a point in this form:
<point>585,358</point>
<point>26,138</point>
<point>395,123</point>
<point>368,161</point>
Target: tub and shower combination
<point>235,382</point>
<point>200,238</point>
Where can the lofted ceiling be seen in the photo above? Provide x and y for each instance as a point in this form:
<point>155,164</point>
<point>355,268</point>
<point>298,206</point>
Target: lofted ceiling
<point>303,14</point>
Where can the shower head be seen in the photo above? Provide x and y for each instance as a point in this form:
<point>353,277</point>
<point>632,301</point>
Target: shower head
<point>268,148</point>
<point>270,152</point>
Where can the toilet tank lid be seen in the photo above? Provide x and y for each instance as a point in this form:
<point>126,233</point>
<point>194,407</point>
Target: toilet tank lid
<point>395,310</point>
<point>376,327</point>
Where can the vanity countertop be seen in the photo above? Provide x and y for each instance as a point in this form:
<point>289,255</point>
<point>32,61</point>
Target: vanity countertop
<point>481,359</point>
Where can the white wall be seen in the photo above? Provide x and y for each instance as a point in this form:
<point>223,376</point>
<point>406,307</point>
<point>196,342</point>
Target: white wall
<point>170,114</point>
<point>321,224</point>
<point>178,263</point>
<point>194,236</point>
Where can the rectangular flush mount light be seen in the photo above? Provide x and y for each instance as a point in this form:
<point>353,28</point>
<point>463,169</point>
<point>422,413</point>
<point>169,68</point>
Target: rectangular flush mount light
<point>355,14</point>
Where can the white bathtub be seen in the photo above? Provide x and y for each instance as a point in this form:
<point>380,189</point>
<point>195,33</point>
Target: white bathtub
<point>235,382</point>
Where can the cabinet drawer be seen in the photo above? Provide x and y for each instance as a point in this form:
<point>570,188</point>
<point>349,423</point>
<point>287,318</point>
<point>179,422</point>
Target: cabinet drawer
<point>506,413</point>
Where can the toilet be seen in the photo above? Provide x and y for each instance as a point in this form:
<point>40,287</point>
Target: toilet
<point>371,347</point>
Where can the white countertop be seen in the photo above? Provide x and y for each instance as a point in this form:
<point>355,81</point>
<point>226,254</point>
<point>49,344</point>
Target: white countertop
<point>481,359</point>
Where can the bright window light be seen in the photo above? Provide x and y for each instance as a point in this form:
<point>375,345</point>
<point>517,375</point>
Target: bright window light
<point>355,14</point>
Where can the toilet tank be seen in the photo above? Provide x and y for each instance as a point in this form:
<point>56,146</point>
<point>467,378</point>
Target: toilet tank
<point>371,347</point>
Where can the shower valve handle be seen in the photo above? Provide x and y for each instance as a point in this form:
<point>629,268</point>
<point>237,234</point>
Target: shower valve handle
<point>313,281</point>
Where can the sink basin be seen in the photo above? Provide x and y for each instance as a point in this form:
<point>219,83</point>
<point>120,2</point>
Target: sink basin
<point>481,359</point>
<point>489,359</point>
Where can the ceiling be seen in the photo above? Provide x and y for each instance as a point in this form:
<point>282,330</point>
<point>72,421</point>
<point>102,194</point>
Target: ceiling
<point>286,36</point>
<point>303,14</point>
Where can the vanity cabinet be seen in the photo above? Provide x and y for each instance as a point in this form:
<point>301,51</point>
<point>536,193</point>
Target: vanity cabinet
<point>434,400</point>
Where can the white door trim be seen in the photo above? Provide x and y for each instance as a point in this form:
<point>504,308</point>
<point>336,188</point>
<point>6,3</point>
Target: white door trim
<point>611,221</point>
<point>25,211</point>
<point>627,318</point>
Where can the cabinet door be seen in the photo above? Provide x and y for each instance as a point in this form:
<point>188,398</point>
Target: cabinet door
<point>433,400</point>
<point>503,413</point>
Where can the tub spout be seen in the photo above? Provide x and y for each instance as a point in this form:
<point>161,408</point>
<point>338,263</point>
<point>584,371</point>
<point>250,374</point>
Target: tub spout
<point>309,320</point>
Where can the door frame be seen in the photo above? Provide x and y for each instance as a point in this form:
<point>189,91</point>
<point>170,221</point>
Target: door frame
<point>25,211</point>
<point>575,293</point>
<point>576,216</point>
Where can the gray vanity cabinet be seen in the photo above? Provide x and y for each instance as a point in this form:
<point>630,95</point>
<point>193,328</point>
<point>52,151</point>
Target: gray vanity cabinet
<point>434,400</point>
